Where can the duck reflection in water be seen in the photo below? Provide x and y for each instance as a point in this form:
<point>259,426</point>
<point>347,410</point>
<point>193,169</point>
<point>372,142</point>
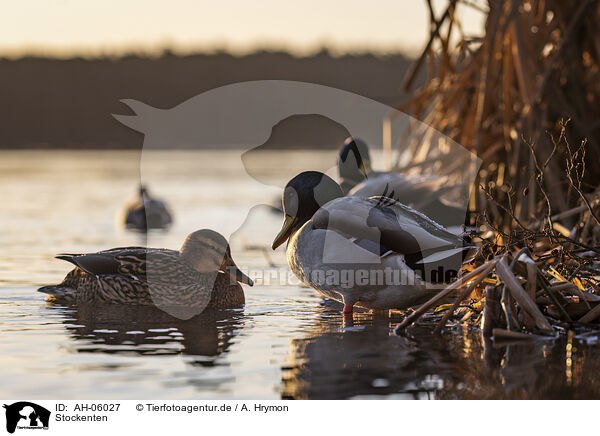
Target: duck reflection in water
<point>361,358</point>
<point>351,358</point>
<point>147,330</point>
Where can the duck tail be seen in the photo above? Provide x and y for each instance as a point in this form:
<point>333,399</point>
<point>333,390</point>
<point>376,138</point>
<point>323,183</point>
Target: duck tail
<point>66,290</point>
<point>68,257</point>
<point>58,292</point>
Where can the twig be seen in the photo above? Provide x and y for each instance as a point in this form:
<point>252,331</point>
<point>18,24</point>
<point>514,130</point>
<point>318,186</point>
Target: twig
<point>571,28</point>
<point>553,297</point>
<point>414,69</point>
<point>483,269</point>
<point>572,166</point>
<point>464,294</point>
<point>475,6</point>
<point>558,216</point>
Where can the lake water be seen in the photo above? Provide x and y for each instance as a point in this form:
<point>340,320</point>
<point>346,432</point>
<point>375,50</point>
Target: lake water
<point>286,342</point>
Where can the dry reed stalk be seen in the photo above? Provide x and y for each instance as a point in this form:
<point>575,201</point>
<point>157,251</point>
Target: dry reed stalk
<point>528,320</point>
<point>492,310</point>
<point>505,96</point>
<point>537,62</point>
<point>565,214</point>
<point>412,73</point>
<point>519,294</point>
<point>483,269</point>
<point>461,297</point>
<point>592,315</point>
<point>509,334</point>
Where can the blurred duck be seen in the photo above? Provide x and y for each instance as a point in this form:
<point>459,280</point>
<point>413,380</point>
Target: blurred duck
<point>146,212</point>
<point>202,274</point>
<point>422,193</point>
<point>333,239</point>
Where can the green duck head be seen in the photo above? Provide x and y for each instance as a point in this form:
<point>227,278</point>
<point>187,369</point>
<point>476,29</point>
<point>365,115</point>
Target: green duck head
<point>303,196</point>
<point>354,162</point>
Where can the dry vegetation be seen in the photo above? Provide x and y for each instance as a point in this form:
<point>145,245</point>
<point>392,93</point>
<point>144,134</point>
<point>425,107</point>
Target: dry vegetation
<point>525,98</point>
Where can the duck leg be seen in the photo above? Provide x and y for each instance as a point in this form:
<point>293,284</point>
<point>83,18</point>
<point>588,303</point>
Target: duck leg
<point>348,305</point>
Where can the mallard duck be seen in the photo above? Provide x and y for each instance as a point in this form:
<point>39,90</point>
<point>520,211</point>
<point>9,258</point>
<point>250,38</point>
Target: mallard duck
<point>146,212</point>
<point>202,274</point>
<point>333,240</point>
<point>424,194</point>
<point>354,163</point>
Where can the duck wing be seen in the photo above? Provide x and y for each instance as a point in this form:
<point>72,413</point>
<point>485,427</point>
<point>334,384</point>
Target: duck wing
<point>388,222</point>
<point>383,184</point>
<point>126,261</point>
<point>411,190</point>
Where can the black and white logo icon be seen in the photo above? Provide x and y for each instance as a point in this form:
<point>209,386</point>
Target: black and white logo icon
<point>26,415</point>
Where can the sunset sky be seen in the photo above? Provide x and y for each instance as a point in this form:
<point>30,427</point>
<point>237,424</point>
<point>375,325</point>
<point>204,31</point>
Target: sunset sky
<point>65,27</point>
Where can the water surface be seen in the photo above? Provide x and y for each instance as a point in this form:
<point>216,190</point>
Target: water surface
<point>285,343</point>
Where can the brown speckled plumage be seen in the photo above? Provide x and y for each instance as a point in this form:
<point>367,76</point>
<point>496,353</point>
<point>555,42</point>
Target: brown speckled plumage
<point>229,295</point>
<point>148,276</point>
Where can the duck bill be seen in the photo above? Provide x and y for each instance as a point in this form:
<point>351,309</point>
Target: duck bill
<point>229,267</point>
<point>365,166</point>
<point>286,231</point>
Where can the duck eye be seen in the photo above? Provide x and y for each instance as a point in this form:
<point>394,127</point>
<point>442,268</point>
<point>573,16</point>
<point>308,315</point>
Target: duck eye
<point>290,201</point>
<point>218,250</point>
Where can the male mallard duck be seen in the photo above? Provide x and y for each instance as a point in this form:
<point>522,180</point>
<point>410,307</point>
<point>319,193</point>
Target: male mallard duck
<point>146,212</point>
<point>202,274</point>
<point>422,193</point>
<point>354,164</point>
<point>374,252</point>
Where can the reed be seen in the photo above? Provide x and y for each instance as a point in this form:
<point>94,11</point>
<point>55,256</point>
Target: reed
<point>525,98</point>
<point>517,97</point>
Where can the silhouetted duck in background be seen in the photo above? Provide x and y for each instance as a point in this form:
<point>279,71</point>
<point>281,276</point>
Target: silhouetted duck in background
<point>202,274</point>
<point>146,212</point>
<point>332,237</point>
<point>357,178</point>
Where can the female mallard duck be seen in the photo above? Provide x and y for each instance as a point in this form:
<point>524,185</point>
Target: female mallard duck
<point>374,252</point>
<point>202,274</point>
<point>422,193</point>
<point>146,212</point>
